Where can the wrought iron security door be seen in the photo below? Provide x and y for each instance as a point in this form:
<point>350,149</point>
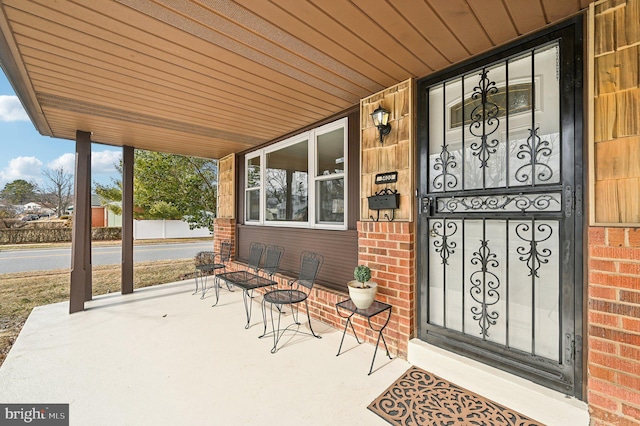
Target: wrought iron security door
<point>499,211</point>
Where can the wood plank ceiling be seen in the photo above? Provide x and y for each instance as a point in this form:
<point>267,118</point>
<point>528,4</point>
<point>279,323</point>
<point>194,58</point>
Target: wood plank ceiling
<point>211,77</point>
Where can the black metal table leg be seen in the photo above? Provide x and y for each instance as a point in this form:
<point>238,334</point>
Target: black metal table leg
<point>380,335</point>
<point>344,332</point>
<point>375,309</point>
<point>246,297</point>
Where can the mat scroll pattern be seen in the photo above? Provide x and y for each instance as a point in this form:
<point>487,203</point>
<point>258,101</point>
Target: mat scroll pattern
<point>420,398</point>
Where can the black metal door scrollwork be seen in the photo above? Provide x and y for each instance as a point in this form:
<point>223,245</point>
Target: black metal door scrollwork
<point>484,288</point>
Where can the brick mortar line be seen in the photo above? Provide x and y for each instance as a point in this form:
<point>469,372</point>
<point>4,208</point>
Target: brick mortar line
<point>616,411</point>
<point>613,398</point>
<point>613,328</point>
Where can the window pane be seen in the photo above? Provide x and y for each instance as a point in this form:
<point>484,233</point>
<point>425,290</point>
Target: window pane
<point>287,184</point>
<point>330,206</point>
<point>330,153</point>
<point>253,205</point>
<point>253,172</point>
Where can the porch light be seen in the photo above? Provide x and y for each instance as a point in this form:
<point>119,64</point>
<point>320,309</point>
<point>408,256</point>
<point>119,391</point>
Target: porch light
<point>380,119</point>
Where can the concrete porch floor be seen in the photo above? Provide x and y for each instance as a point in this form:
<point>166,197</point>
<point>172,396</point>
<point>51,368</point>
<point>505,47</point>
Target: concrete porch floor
<point>162,356</point>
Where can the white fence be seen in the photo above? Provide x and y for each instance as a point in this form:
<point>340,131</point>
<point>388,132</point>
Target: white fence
<point>160,229</point>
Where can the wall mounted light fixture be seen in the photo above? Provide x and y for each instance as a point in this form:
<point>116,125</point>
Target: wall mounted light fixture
<point>380,119</point>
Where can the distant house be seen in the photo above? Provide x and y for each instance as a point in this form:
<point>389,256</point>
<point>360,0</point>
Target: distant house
<point>32,207</point>
<point>101,216</point>
<point>37,208</point>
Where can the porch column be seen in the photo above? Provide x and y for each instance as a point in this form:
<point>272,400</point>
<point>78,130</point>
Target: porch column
<point>81,285</point>
<point>127,219</point>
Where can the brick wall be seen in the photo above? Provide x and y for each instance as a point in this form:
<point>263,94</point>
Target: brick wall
<point>614,326</point>
<point>388,249</point>
<point>224,230</point>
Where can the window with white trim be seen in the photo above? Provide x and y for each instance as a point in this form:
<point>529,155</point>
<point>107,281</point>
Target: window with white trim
<point>301,181</point>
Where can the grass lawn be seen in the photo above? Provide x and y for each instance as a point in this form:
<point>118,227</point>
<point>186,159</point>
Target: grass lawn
<point>21,292</point>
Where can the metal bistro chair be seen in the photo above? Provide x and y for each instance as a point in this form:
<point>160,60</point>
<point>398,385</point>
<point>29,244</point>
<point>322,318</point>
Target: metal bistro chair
<point>272,260</point>
<point>298,292</point>
<point>208,262</point>
<point>233,279</point>
<point>248,282</point>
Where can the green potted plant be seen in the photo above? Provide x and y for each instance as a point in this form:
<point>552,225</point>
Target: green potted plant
<point>362,290</point>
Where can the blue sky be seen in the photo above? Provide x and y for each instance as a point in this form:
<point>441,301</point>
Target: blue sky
<point>25,154</point>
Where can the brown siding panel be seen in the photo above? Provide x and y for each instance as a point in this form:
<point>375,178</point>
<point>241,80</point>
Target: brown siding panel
<point>339,248</point>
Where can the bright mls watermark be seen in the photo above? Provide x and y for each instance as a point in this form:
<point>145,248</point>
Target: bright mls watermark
<point>34,414</point>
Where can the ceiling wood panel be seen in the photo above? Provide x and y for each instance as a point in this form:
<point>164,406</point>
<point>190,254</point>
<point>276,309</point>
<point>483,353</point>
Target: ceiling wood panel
<point>351,44</point>
<point>527,14</point>
<point>213,104</point>
<point>165,110</point>
<point>257,40</point>
<point>155,81</point>
<point>372,33</point>
<point>398,28</point>
<point>136,61</point>
<point>212,77</point>
<point>490,12</point>
<point>557,10</point>
<point>205,107</point>
<point>320,31</point>
<point>462,22</point>
<point>423,19</point>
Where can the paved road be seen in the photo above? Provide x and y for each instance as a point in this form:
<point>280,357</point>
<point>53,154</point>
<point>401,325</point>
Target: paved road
<point>60,258</point>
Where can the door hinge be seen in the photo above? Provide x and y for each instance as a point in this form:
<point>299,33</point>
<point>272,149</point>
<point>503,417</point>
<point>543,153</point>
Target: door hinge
<point>573,200</point>
<point>570,349</point>
<point>568,201</point>
<point>578,200</point>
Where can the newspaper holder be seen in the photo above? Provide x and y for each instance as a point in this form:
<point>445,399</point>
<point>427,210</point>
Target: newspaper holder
<point>385,199</point>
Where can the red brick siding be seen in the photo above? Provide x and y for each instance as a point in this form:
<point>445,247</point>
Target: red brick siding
<point>614,326</point>
<point>224,230</point>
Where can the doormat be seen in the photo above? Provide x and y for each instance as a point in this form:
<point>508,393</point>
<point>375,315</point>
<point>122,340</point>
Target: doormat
<point>421,398</point>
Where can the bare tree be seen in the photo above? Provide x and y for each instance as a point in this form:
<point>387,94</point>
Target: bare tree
<point>57,189</point>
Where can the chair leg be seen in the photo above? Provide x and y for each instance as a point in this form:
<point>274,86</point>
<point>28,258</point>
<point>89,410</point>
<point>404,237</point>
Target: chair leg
<point>216,288</point>
<point>264,319</point>
<point>294,314</point>
<point>276,332</point>
<point>203,283</point>
<point>195,278</point>
<point>306,305</point>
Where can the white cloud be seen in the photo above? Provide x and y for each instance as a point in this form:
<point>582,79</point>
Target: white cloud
<point>66,161</point>
<point>30,168</point>
<point>104,161</point>
<point>27,168</point>
<point>11,109</point>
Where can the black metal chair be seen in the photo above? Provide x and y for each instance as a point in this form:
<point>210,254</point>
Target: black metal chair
<point>298,292</point>
<point>233,279</point>
<point>209,262</point>
<point>272,260</point>
<point>248,281</point>
<point>255,255</point>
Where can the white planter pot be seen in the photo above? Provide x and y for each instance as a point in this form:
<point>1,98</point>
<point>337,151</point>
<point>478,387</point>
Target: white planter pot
<point>362,297</point>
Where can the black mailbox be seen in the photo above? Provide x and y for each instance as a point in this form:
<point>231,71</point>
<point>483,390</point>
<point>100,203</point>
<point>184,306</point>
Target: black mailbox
<point>387,201</point>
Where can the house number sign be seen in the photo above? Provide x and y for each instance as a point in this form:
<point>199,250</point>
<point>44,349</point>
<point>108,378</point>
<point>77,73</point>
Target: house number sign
<point>389,177</point>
